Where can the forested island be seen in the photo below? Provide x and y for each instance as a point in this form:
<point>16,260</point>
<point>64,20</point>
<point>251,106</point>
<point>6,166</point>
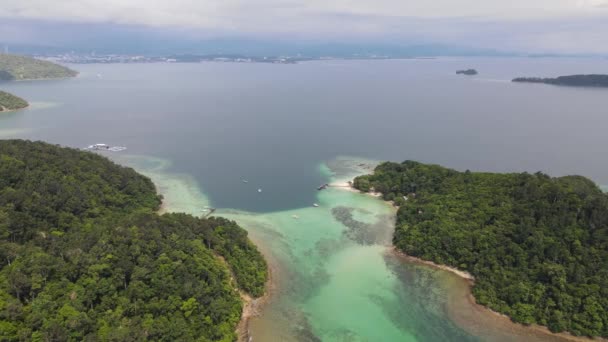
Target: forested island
<point>573,80</point>
<point>85,257</point>
<point>467,72</point>
<point>9,102</point>
<point>14,67</point>
<point>536,245</point>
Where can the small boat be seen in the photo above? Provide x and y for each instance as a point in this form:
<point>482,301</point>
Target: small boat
<point>244,181</point>
<point>295,216</point>
<point>99,147</point>
<point>259,190</point>
<point>105,147</point>
<point>315,205</point>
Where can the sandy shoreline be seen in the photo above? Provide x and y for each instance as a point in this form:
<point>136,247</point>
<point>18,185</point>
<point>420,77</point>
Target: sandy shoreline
<point>45,78</point>
<point>349,187</point>
<point>534,329</point>
<point>477,314</point>
<point>463,274</point>
<point>5,110</point>
<point>478,309</point>
<point>252,307</point>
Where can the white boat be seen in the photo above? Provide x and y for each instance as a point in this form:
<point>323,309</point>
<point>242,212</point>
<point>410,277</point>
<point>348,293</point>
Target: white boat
<point>244,181</point>
<point>295,216</point>
<point>259,190</point>
<point>105,147</point>
<point>315,205</point>
<point>98,147</point>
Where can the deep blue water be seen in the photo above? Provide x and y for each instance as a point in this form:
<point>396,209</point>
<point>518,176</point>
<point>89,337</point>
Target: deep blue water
<point>272,124</point>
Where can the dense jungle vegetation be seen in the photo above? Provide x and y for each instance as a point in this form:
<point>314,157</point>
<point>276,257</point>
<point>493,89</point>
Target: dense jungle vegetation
<point>537,245</point>
<point>85,257</point>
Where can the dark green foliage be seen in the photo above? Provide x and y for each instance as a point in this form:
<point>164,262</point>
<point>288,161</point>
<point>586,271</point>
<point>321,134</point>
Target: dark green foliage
<point>11,102</point>
<point>537,246</point>
<point>13,67</point>
<point>227,240</point>
<point>45,189</point>
<point>573,80</point>
<point>83,256</point>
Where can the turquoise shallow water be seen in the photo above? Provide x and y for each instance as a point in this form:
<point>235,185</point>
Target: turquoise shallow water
<point>334,276</point>
<point>199,129</point>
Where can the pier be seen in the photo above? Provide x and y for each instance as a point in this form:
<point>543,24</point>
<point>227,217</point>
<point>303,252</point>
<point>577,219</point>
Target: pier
<point>208,212</point>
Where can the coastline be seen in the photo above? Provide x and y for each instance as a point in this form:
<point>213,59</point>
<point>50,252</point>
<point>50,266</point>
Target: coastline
<point>45,78</point>
<point>252,307</point>
<point>480,312</point>
<point>461,306</point>
<point>5,110</point>
<point>476,317</point>
<point>462,274</point>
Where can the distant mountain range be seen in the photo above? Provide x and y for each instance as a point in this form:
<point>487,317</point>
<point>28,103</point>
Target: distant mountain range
<point>103,38</point>
<point>256,48</point>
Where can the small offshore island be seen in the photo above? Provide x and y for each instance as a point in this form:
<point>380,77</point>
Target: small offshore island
<point>21,68</point>
<point>84,255</point>
<point>467,72</point>
<point>599,81</point>
<point>537,246</point>
<point>10,102</point>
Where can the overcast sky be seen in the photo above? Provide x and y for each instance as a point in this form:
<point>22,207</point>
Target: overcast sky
<point>567,26</point>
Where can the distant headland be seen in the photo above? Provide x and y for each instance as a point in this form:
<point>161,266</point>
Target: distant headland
<point>19,68</point>
<point>10,102</point>
<point>600,81</point>
<point>468,72</point>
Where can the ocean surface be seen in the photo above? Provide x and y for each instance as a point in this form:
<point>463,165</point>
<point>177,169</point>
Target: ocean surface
<point>201,130</point>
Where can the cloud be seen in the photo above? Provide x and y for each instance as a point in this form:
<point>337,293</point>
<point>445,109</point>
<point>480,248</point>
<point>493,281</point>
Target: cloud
<point>520,25</point>
<point>273,14</point>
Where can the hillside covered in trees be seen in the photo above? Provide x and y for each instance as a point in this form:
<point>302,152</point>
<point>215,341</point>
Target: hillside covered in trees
<point>84,256</point>
<point>14,67</point>
<point>11,102</point>
<point>537,246</point>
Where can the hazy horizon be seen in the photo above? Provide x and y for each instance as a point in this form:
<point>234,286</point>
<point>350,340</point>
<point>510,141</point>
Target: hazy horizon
<point>462,27</point>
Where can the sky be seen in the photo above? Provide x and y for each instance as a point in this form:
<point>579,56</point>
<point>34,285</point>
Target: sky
<point>532,26</point>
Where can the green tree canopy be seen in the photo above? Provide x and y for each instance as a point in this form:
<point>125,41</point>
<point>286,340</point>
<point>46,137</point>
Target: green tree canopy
<point>11,102</point>
<point>14,67</point>
<point>537,246</point>
<point>84,256</point>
